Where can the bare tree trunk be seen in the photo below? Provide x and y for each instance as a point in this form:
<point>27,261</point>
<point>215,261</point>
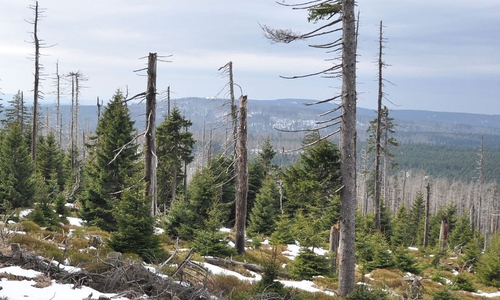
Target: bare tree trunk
<point>334,243</point>
<point>347,259</point>
<point>150,154</point>
<point>377,135</point>
<point>72,126</point>
<point>58,105</point>
<point>480,168</point>
<point>427,204</point>
<point>168,102</point>
<point>443,232</point>
<point>242,179</point>
<point>36,92</point>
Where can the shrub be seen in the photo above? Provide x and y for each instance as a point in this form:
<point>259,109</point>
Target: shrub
<point>30,226</point>
<point>229,287</point>
<point>404,261</point>
<point>488,267</point>
<point>444,295</point>
<point>364,293</point>
<point>308,264</point>
<point>462,282</point>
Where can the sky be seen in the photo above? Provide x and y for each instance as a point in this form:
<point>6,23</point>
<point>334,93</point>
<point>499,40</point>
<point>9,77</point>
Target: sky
<point>441,55</point>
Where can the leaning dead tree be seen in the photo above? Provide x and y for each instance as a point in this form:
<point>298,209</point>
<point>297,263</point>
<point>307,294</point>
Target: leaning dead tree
<point>338,17</point>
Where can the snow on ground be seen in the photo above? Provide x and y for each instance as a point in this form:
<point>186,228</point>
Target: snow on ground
<point>14,289</point>
<point>294,249</point>
<point>413,248</point>
<point>221,271</point>
<point>305,285</point>
<point>75,221</point>
<point>487,295</point>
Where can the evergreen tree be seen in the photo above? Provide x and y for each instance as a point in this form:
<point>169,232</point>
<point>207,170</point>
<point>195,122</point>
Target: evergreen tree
<point>16,169</point>
<point>135,226</point>
<point>112,158</point>
<point>282,234</point>
<point>208,186</point>
<point>416,220</point>
<point>311,182</point>
<point>45,191</point>
<point>17,112</point>
<point>265,210</point>
<point>174,149</point>
<point>50,160</point>
<point>488,266</point>
<point>400,235</point>
<point>209,240</point>
<point>461,234</point>
<point>257,172</point>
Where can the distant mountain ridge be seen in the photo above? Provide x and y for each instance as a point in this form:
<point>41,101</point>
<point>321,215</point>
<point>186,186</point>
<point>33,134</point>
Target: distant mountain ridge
<point>265,116</point>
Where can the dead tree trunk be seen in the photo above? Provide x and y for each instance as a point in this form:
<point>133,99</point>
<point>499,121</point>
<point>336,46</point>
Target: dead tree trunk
<point>427,204</point>
<point>377,134</point>
<point>443,232</point>
<point>334,243</point>
<point>36,92</point>
<point>348,134</point>
<point>150,143</point>
<point>58,107</point>
<point>242,179</point>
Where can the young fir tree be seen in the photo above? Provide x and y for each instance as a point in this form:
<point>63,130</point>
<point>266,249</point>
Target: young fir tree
<point>135,225</point>
<point>112,158</point>
<point>400,235</point>
<point>45,191</point>
<point>209,240</point>
<point>50,161</point>
<point>416,219</point>
<point>488,266</point>
<point>17,112</point>
<point>174,150</point>
<point>310,183</point>
<point>258,170</point>
<point>189,213</point>
<point>16,169</point>
<point>266,209</point>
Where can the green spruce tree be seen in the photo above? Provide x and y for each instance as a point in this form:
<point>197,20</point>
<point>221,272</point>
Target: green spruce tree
<point>135,225</point>
<point>16,169</point>
<point>174,150</point>
<point>112,158</point>
<point>265,210</point>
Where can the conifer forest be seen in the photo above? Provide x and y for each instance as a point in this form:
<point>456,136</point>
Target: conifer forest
<point>150,201</point>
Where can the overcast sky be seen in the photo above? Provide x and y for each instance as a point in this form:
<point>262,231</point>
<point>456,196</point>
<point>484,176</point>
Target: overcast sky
<point>444,55</point>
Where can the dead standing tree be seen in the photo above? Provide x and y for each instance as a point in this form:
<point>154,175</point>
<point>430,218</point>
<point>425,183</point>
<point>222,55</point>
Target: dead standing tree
<point>344,11</point>
<point>241,178</point>
<point>150,143</point>
<point>37,15</point>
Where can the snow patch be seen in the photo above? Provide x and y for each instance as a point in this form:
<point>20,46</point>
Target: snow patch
<point>75,221</point>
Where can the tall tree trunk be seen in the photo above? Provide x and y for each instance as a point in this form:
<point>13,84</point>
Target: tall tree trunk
<point>347,259</point>
<point>36,92</point>
<point>242,179</point>
<point>427,204</point>
<point>377,134</point>
<point>58,105</point>
<point>150,154</point>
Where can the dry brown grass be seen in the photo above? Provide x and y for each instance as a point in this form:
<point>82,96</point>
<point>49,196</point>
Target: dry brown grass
<point>42,281</point>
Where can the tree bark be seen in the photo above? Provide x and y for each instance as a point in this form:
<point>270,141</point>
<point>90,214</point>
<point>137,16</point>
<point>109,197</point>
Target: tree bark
<point>377,134</point>
<point>427,204</point>
<point>348,134</point>
<point>34,133</point>
<point>242,179</point>
<point>150,155</point>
